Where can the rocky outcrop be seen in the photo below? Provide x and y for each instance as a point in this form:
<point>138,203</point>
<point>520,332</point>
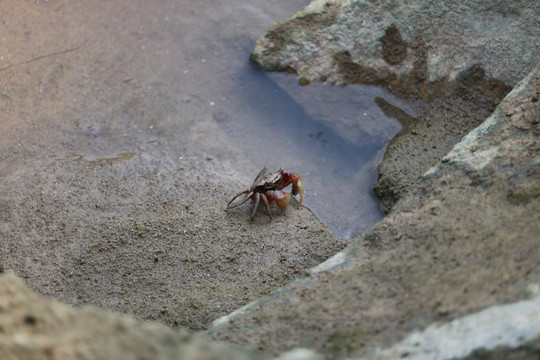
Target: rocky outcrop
<point>454,60</point>
<point>384,42</point>
<point>33,327</point>
<point>463,240</point>
<point>37,328</point>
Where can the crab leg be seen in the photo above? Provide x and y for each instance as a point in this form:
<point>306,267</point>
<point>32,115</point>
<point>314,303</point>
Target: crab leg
<point>297,184</point>
<point>246,198</point>
<point>248,192</point>
<point>267,203</point>
<point>298,188</point>
<point>260,174</point>
<point>257,199</point>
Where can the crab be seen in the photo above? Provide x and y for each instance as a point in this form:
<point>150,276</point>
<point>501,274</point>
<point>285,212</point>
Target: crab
<point>269,188</point>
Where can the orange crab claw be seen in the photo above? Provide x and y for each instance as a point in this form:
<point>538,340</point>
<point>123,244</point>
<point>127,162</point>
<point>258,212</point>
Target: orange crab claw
<point>297,184</point>
<point>281,198</point>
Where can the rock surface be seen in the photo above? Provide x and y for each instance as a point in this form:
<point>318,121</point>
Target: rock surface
<point>504,331</point>
<point>37,328</point>
<point>112,192</point>
<point>464,239</point>
<point>378,42</point>
<point>145,236</point>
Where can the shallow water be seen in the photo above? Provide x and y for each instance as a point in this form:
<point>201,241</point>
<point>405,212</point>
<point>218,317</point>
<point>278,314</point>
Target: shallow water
<point>338,174</point>
<point>177,73</point>
<point>264,124</point>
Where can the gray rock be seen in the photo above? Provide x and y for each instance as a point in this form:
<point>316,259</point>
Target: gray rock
<point>494,330</point>
<point>36,328</point>
<point>374,42</point>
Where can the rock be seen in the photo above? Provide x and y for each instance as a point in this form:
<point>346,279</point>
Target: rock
<point>505,331</point>
<point>37,328</point>
<point>379,42</point>
<point>461,243</point>
<point>300,354</point>
<point>438,125</point>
